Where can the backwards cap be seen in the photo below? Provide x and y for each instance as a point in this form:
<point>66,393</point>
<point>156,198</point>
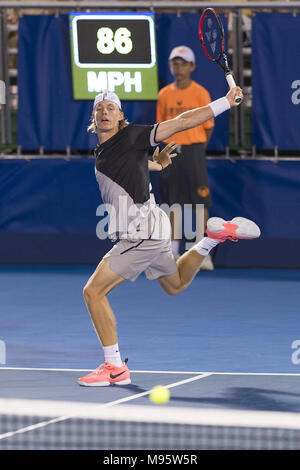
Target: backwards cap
<point>106,95</point>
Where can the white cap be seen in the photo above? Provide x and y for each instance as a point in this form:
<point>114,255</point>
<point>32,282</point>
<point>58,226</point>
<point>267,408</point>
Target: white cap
<point>106,95</point>
<point>183,52</point>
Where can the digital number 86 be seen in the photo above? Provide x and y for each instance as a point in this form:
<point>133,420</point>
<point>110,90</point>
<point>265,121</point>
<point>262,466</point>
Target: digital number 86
<point>108,41</point>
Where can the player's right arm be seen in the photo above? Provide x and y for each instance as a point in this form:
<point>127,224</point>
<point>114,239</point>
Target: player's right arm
<point>192,118</point>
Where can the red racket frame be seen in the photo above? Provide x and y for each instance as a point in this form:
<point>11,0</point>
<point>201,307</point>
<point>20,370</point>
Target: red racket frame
<point>222,53</point>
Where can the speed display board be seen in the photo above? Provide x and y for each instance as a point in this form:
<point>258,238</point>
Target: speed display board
<point>116,52</point>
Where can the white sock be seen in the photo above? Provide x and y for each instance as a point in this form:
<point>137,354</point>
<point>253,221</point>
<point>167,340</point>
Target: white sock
<point>175,246</point>
<point>205,245</point>
<point>112,355</point>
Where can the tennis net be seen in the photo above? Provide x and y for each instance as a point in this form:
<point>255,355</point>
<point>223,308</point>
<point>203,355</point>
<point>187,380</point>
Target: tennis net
<point>49,425</point>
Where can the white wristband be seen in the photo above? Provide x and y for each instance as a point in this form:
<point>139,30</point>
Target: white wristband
<point>219,106</point>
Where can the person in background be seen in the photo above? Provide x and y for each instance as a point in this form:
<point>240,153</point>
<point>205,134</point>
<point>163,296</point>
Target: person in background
<point>185,181</point>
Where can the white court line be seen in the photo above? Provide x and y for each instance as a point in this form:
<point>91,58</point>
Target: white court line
<point>33,427</point>
<point>175,384</point>
<point>157,371</point>
<point>104,405</point>
<point>90,370</point>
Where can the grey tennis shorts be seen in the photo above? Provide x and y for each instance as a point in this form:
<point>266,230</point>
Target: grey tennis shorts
<point>130,258</point>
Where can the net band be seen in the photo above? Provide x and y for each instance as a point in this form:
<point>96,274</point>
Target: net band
<point>30,424</point>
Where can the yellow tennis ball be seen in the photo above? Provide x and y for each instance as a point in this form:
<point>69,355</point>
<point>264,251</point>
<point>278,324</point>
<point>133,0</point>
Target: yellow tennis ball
<point>159,395</point>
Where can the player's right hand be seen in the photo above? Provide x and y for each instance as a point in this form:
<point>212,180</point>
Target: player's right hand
<point>164,157</point>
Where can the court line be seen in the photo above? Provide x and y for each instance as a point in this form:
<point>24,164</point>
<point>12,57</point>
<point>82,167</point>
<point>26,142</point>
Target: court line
<point>103,405</point>
<point>90,370</point>
<point>175,384</point>
<point>156,371</point>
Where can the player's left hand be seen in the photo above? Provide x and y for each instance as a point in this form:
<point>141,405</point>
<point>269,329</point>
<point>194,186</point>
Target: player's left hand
<point>234,93</point>
<point>164,157</point>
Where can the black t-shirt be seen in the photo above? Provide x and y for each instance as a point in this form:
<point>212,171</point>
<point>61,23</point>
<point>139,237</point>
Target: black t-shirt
<point>124,159</point>
<point>123,176</point>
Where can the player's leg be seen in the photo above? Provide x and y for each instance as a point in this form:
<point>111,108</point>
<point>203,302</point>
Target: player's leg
<point>187,267</point>
<point>103,280</point>
<point>98,286</point>
<point>218,230</point>
<point>207,263</point>
<point>125,261</point>
<point>118,265</point>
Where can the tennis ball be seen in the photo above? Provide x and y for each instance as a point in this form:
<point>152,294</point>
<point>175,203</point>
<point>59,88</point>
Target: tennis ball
<point>159,395</point>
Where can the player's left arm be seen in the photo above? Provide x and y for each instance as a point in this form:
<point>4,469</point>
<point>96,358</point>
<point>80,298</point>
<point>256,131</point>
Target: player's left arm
<point>163,158</point>
<point>194,117</point>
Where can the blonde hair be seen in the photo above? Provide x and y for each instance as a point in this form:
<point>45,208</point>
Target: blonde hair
<point>93,128</point>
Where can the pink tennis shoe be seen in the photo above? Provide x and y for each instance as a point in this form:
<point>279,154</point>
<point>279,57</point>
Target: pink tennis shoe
<point>235,229</point>
<point>107,374</point>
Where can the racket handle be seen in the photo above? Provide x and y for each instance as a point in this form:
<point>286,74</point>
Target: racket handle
<point>232,84</point>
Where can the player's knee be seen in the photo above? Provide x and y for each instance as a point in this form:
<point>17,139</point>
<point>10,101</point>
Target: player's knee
<point>173,290</point>
<point>86,292</point>
<point>90,292</point>
<point>179,288</point>
<point>172,286</point>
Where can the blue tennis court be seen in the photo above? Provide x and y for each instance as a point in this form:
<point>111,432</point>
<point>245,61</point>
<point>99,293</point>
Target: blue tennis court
<point>228,320</point>
<point>227,343</point>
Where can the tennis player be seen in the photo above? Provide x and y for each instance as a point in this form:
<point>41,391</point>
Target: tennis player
<point>142,230</point>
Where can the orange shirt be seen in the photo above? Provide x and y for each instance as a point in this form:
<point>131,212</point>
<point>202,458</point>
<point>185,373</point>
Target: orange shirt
<point>172,102</point>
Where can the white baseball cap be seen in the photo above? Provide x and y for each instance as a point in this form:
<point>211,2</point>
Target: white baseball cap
<point>106,95</point>
<point>184,53</point>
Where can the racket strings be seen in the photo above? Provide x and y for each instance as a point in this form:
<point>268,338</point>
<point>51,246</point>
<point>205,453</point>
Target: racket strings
<point>212,37</point>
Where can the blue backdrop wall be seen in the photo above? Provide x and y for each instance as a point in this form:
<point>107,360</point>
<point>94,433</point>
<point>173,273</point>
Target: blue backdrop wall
<point>276,81</point>
<point>48,211</point>
<point>47,114</point>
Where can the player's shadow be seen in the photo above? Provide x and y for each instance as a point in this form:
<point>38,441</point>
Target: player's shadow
<point>247,398</point>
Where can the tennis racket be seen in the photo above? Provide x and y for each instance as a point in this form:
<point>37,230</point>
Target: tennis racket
<point>211,35</point>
